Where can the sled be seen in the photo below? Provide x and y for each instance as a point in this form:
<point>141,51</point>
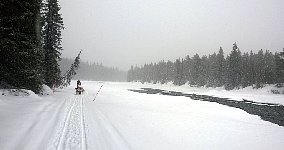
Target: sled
<point>79,90</point>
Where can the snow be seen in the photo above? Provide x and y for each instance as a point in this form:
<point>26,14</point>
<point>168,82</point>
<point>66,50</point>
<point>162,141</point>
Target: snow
<point>121,119</point>
<point>46,90</point>
<point>249,93</point>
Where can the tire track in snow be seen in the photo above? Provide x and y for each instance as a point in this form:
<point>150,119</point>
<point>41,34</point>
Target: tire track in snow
<point>62,140</point>
<point>83,126</point>
<point>72,133</point>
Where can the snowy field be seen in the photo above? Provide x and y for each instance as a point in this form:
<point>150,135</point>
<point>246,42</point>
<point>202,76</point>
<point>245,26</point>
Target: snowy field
<point>121,119</point>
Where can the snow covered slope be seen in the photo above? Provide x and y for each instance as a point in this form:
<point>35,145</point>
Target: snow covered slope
<point>121,119</point>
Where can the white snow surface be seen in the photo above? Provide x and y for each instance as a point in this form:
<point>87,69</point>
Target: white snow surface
<point>121,119</point>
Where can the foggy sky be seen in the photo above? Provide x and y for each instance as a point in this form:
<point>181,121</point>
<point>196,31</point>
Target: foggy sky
<point>122,33</point>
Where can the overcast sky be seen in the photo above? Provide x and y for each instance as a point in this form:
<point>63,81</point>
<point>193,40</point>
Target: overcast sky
<point>122,33</point>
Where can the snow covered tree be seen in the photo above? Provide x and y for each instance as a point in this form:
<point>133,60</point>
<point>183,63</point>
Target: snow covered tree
<point>259,69</point>
<point>269,68</point>
<point>51,32</point>
<point>71,72</point>
<point>203,77</point>
<point>162,71</point>
<point>246,74</point>
<point>179,78</point>
<point>170,71</point>
<point>213,72</point>
<point>186,70</point>
<point>234,69</point>
<point>20,49</point>
<point>130,74</point>
<point>195,69</point>
<point>279,74</point>
<point>221,68</point>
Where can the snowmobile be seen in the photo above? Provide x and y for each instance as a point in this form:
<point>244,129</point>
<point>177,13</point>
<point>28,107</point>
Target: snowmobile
<point>79,90</point>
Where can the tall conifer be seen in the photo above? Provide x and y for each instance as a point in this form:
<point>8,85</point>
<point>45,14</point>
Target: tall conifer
<point>52,26</point>
<point>20,50</point>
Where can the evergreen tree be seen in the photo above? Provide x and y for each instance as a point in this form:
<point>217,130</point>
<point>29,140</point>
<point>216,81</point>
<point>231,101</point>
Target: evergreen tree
<point>187,65</point>
<point>252,73</point>
<point>20,50</point>
<point>213,72</point>
<point>163,72</point>
<point>246,74</point>
<point>195,69</point>
<point>130,74</point>
<point>179,77</point>
<point>203,77</point>
<point>52,26</point>
<point>279,73</point>
<point>72,72</point>
<point>170,71</point>
<point>269,68</point>
<point>234,69</point>
<point>221,68</point>
<point>259,69</point>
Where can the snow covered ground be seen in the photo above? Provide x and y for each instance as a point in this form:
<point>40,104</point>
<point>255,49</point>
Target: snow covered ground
<point>121,119</point>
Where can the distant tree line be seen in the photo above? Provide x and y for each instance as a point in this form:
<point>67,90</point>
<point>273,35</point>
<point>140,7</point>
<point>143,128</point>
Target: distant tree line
<point>94,71</point>
<point>236,70</point>
<point>30,43</point>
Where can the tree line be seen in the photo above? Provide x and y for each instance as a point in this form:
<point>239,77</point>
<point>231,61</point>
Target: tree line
<point>30,44</point>
<point>94,71</point>
<point>236,70</point>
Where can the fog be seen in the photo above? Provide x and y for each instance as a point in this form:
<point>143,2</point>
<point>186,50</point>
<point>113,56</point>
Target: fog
<point>121,33</point>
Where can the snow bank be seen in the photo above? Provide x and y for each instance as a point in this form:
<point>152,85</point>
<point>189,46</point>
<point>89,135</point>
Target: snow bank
<point>46,90</point>
<point>264,94</point>
<point>18,92</point>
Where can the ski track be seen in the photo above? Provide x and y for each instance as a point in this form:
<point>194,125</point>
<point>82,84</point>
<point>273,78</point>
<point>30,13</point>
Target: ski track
<point>74,132</point>
<point>71,134</point>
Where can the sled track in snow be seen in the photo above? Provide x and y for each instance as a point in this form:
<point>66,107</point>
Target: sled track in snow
<point>72,133</point>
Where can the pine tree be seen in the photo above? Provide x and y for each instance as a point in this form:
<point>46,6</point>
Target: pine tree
<point>221,68</point>
<point>72,72</point>
<point>213,72</point>
<point>279,74</point>
<point>269,68</point>
<point>234,69</point>
<point>187,64</point>
<point>51,32</point>
<point>195,69</point>
<point>259,69</point>
<point>170,71</point>
<point>179,76</point>
<point>252,73</point>
<point>203,77</point>
<point>20,50</point>
<point>163,72</point>
<point>130,74</point>
<point>246,74</point>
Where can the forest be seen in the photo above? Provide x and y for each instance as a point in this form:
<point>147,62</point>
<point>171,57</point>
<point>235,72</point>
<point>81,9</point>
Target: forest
<point>236,70</point>
<point>30,45</point>
<point>94,71</point>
